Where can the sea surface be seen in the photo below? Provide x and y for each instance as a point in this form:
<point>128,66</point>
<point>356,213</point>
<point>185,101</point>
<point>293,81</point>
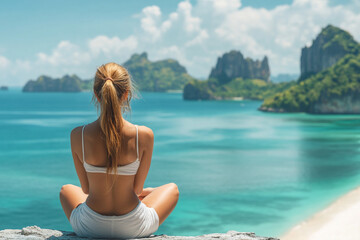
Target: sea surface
<point>236,168</point>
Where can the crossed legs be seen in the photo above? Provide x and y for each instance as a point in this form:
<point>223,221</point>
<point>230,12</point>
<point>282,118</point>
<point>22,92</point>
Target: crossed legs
<point>163,199</point>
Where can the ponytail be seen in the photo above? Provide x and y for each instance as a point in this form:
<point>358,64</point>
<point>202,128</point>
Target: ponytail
<point>113,92</point>
<point>111,123</point>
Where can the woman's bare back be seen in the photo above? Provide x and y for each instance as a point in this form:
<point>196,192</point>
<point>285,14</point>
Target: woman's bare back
<point>109,196</point>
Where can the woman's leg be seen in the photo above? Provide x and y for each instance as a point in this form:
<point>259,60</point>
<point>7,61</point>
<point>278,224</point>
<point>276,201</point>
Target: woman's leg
<point>163,199</point>
<point>70,197</point>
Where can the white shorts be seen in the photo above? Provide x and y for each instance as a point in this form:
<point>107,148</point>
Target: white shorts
<point>142,221</point>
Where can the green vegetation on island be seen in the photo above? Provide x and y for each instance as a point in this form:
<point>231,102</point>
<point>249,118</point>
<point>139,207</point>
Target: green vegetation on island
<point>235,77</point>
<point>335,89</point>
<point>213,89</point>
<point>66,83</point>
<point>158,76</point>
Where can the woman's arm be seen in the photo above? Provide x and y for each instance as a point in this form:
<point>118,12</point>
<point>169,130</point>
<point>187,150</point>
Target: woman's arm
<point>76,147</point>
<point>145,192</point>
<point>146,144</point>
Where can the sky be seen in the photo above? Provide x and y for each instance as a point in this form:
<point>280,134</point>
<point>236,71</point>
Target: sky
<point>61,37</point>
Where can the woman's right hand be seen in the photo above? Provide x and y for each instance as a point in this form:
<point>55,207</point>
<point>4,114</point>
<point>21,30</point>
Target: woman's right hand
<point>145,192</point>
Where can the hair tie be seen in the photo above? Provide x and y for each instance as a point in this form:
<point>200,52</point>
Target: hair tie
<point>108,79</point>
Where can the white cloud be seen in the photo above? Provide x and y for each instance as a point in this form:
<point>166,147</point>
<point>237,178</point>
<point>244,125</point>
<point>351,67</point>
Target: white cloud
<point>191,23</point>
<point>209,28</point>
<point>65,53</point>
<point>282,32</point>
<point>173,52</point>
<point>112,47</point>
<point>200,38</point>
<point>219,7</point>
<point>183,19</point>
<point>4,62</point>
<point>150,19</point>
<point>196,34</point>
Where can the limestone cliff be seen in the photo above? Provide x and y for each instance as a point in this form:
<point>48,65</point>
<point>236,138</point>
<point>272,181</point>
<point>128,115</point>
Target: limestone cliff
<point>233,65</point>
<point>335,90</point>
<point>328,47</point>
<point>36,233</point>
<point>345,104</point>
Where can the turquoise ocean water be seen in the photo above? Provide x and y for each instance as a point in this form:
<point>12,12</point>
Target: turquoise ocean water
<point>236,168</point>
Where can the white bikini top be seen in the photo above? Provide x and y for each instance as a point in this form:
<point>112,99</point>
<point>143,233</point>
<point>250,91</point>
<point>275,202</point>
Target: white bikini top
<point>128,169</point>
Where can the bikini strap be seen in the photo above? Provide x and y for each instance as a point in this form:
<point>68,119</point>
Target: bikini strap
<point>82,142</point>
<point>137,142</point>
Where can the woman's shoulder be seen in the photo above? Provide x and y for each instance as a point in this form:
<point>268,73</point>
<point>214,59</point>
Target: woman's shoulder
<point>145,130</point>
<point>75,134</point>
<point>145,134</point>
<point>76,131</point>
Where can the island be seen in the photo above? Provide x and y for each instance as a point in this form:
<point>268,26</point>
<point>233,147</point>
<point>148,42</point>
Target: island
<point>329,81</point>
<point>4,88</point>
<point>328,48</point>
<point>66,83</point>
<point>235,77</point>
<point>158,76</point>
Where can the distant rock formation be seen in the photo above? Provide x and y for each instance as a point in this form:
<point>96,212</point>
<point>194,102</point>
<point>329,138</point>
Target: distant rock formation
<point>4,88</point>
<point>328,47</point>
<point>235,78</point>
<point>36,233</point>
<point>158,76</point>
<point>233,65</point>
<point>66,83</point>
<point>198,90</point>
<point>333,90</point>
<point>348,103</point>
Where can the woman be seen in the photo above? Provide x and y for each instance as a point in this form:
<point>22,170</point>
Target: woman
<point>112,158</point>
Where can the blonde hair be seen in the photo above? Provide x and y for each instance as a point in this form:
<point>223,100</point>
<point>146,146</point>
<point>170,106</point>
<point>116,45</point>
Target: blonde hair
<point>111,85</point>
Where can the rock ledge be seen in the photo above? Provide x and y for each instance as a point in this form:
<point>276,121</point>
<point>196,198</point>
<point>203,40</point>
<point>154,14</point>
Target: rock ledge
<point>36,233</point>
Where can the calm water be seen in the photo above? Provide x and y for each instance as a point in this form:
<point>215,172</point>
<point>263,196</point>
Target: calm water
<point>236,168</point>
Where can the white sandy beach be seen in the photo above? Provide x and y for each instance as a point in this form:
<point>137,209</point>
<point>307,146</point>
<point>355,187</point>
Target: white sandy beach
<point>339,221</point>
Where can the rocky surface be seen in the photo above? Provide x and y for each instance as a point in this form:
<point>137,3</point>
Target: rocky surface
<point>233,65</point>
<point>36,233</point>
<point>328,47</point>
<point>198,91</point>
<point>235,77</point>
<point>347,104</point>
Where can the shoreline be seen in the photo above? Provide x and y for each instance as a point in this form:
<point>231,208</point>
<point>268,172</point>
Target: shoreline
<point>339,221</point>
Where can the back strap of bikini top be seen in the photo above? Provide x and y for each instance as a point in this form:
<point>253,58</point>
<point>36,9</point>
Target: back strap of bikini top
<point>82,142</point>
<point>137,142</point>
